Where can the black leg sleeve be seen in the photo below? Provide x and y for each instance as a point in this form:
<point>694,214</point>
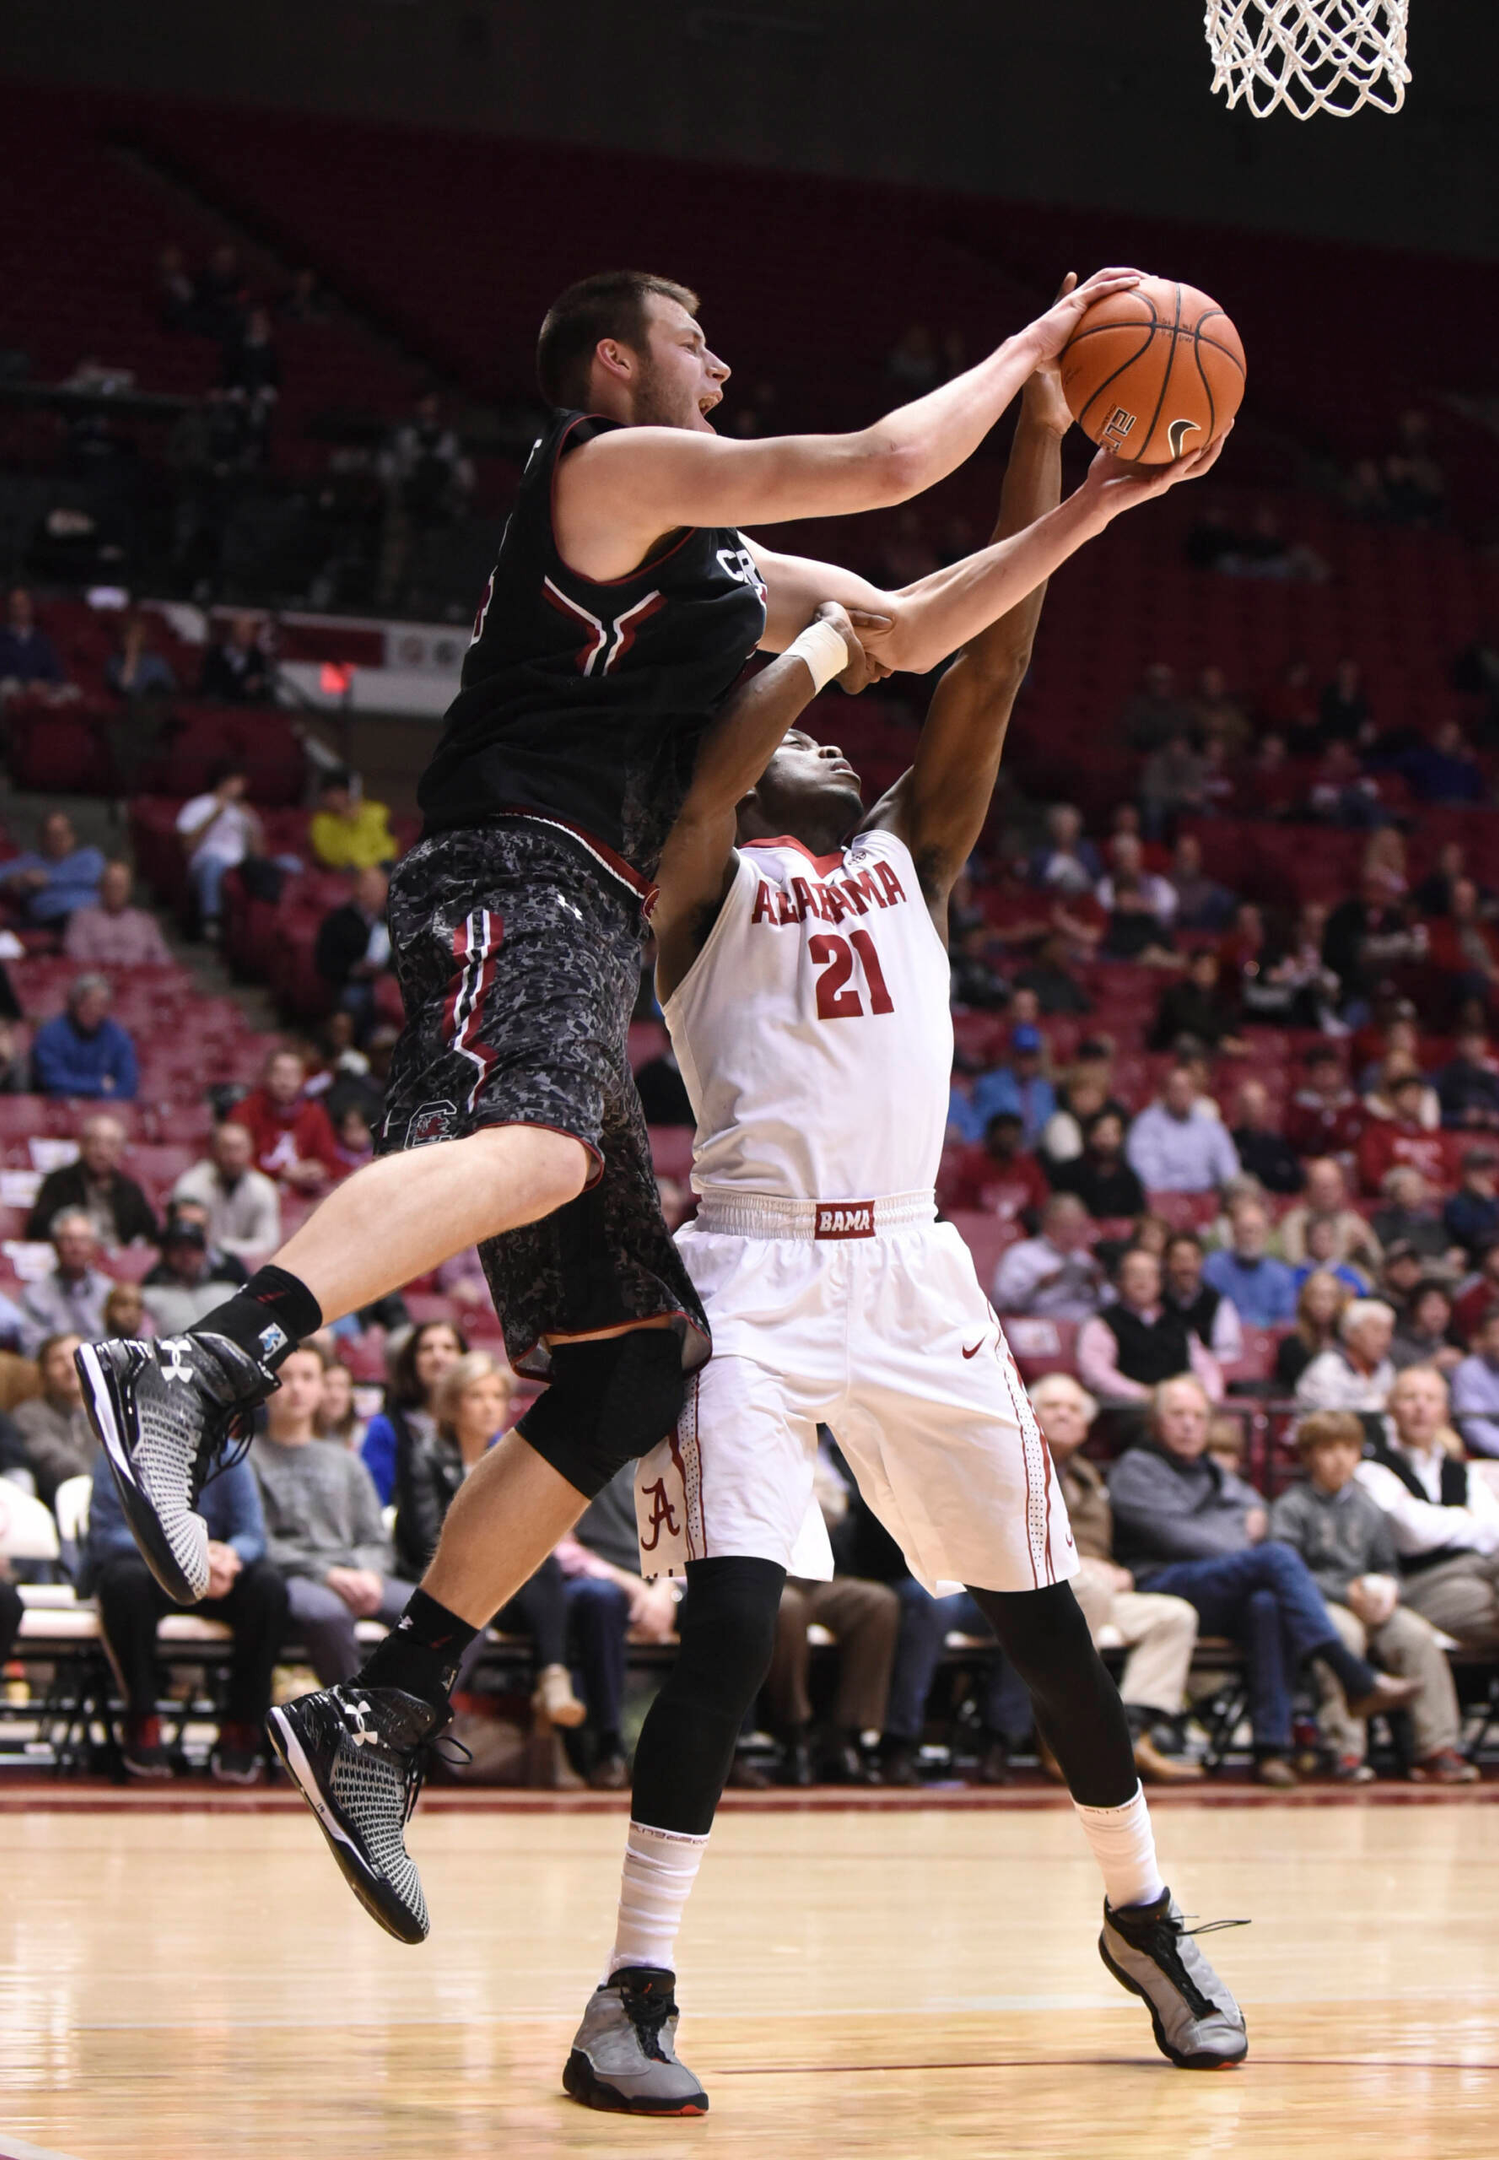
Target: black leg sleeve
<point>1045,1637</point>
<point>727,1623</point>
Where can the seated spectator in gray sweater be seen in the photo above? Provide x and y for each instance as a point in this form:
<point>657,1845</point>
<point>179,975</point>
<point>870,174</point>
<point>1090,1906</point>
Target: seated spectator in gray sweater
<point>1357,1373</point>
<point>244,1206</point>
<point>244,1590</point>
<point>324,1529</point>
<point>69,1298</point>
<point>1345,1541</point>
<point>1442,1512</point>
<point>1475,1391</point>
<point>1185,1526</point>
<point>54,1426</point>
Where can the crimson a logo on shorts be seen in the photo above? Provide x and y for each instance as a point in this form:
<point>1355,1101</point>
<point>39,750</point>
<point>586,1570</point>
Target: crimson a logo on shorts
<point>663,1516</point>
<point>433,1121</point>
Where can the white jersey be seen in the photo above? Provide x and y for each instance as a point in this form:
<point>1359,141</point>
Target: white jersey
<point>813,1030</point>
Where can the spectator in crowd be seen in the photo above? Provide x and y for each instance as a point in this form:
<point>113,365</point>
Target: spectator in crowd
<point>1046,975</point>
<point>69,1298</point>
<point>1139,906</point>
<point>1478,1296</point>
<point>1322,1246</point>
<point>112,933</point>
<point>220,295</point>
<point>1408,1217</point>
<point>1132,1345</point>
<point>1345,1541</point>
<point>1201,903</point>
<point>55,877</point>
<point>135,671</point>
<point>1403,1139</point>
<point>236,670</point>
<point>353,945</point>
<point>1177,1144</point>
<point>1403,1268</point>
<point>1326,1195</point>
<point>338,1415</point>
<point>1082,1095</point>
<point>1160,1633</point>
<point>356,1143</point>
<point>1465,946</point>
<point>608,1603</point>
<point>1020,1087</point>
<point>1261,1287</point>
<point>1156,713</point>
<point>1325,1116</point>
<point>323,1525</point>
<point>472,1409</point>
<point>28,657</point>
<point>82,1051</point>
<point>348,831</point>
<point>1196,1006</point>
<point>1065,862</point>
<point>54,1426</point>
<point>977,986</point>
<point>1186,1528</point>
<point>125,1316</point>
<point>409,1418</point>
<point>1356,1373</point>
<point>293,1138</point>
<point>1320,1304</point>
<point>1209,1315</point>
<point>243,1205</point>
<point>1171,784</point>
<point>1262,1150</point>
<point>1475,1391</point>
<point>1423,1331</point>
<point>1468,1084</point>
<point>1366,936</point>
<point>1433,895</point>
<point>1100,1177</point>
<point>1000,1178</point>
<point>1442,1512</point>
<point>424,467</point>
<point>1443,769</point>
<point>863,1617</point>
<point>185,1285</point>
<point>1343,713</point>
<point>1219,715</point>
<point>218,831</point>
<point>1054,1274</point>
<point>245,1591</point>
<point>96,1186</point>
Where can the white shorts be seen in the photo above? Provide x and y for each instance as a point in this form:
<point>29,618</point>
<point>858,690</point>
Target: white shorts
<point>890,1341</point>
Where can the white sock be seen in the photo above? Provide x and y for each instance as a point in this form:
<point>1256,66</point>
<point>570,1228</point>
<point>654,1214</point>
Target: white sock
<point>1124,1847</point>
<point>659,1872</point>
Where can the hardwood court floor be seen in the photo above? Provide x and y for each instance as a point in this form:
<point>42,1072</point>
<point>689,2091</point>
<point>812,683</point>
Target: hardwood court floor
<point>911,1982</point>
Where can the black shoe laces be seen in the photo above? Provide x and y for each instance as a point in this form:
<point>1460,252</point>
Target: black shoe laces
<point>423,1756</point>
<point>648,2013</point>
<point>1161,1940</point>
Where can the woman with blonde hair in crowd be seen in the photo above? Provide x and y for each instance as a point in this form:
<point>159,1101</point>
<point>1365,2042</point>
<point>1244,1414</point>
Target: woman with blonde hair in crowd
<point>471,1406</point>
<point>1320,1305</point>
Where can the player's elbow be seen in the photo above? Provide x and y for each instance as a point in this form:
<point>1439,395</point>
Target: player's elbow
<point>890,471</point>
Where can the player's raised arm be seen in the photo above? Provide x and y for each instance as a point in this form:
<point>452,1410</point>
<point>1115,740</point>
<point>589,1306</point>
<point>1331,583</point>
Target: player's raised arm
<point>621,493</point>
<point>697,862</point>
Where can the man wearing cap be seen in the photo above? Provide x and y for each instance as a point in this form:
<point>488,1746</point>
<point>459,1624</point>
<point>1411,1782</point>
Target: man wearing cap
<point>1471,1216</point>
<point>185,1283</point>
<point>1020,1087</point>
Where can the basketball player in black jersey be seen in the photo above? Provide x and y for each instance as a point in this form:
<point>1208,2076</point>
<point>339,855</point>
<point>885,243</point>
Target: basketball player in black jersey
<point>625,600</point>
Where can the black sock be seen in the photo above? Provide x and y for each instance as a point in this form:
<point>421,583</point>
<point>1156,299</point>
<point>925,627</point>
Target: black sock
<point>1353,1675</point>
<point>422,1652</point>
<point>267,1317</point>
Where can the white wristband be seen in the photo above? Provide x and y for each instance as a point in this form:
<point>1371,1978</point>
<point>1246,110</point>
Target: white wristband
<point>823,650</point>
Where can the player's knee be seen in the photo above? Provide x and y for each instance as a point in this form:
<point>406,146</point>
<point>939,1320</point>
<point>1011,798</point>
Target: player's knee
<point>608,1402</point>
<point>554,1166</point>
<point>728,1630</point>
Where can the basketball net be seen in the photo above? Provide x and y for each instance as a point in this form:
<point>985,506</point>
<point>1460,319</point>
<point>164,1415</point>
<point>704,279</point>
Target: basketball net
<point>1311,56</point>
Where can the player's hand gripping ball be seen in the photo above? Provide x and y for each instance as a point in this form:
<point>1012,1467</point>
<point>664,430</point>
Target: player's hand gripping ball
<point>1154,372</point>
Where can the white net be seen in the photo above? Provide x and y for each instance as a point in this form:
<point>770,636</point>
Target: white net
<point>1309,55</point>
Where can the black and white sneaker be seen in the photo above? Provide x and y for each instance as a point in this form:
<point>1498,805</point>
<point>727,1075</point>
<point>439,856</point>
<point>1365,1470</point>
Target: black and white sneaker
<point>1198,2025</point>
<point>163,1412</point>
<point>624,2058</point>
<point>359,1756</point>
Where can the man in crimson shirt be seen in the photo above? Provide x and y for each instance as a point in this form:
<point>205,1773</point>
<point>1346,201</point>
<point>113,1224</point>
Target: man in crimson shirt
<point>1403,1139</point>
<point>1325,1117</point>
<point>294,1139</point>
<point>1000,1177</point>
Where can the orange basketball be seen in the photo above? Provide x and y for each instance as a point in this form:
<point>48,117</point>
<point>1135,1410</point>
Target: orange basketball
<point>1153,373</point>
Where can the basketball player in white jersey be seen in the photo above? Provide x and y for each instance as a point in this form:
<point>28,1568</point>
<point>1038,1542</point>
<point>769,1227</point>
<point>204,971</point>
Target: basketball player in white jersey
<point>804,978</point>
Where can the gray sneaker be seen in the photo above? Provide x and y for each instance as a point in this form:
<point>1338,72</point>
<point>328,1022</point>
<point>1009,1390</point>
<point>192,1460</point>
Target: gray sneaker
<point>623,2057</point>
<point>1198,2025</point>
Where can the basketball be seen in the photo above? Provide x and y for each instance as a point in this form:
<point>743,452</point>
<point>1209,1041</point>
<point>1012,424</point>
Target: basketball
<point>1153,373</point>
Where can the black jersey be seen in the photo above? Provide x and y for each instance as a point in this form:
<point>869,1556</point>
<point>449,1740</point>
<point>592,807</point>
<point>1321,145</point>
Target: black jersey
<point>585,702</point>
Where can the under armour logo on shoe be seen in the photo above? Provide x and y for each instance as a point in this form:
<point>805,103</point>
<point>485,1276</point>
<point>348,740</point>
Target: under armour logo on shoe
<point>174,1364</point>
<point>361,1734</point>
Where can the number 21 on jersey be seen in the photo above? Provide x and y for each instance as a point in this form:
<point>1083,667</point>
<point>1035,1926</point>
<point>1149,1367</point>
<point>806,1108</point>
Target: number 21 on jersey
<point>837,996</point>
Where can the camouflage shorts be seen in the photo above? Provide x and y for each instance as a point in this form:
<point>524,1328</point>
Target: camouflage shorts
<point>519,963</point>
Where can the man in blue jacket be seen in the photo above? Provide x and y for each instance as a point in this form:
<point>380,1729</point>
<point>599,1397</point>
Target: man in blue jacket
<point>82,1051</point>
<point>245,1590</point>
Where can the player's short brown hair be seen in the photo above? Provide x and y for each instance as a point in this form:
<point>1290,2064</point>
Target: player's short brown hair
<point>1329,1428</point>
<point>610,304</point>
